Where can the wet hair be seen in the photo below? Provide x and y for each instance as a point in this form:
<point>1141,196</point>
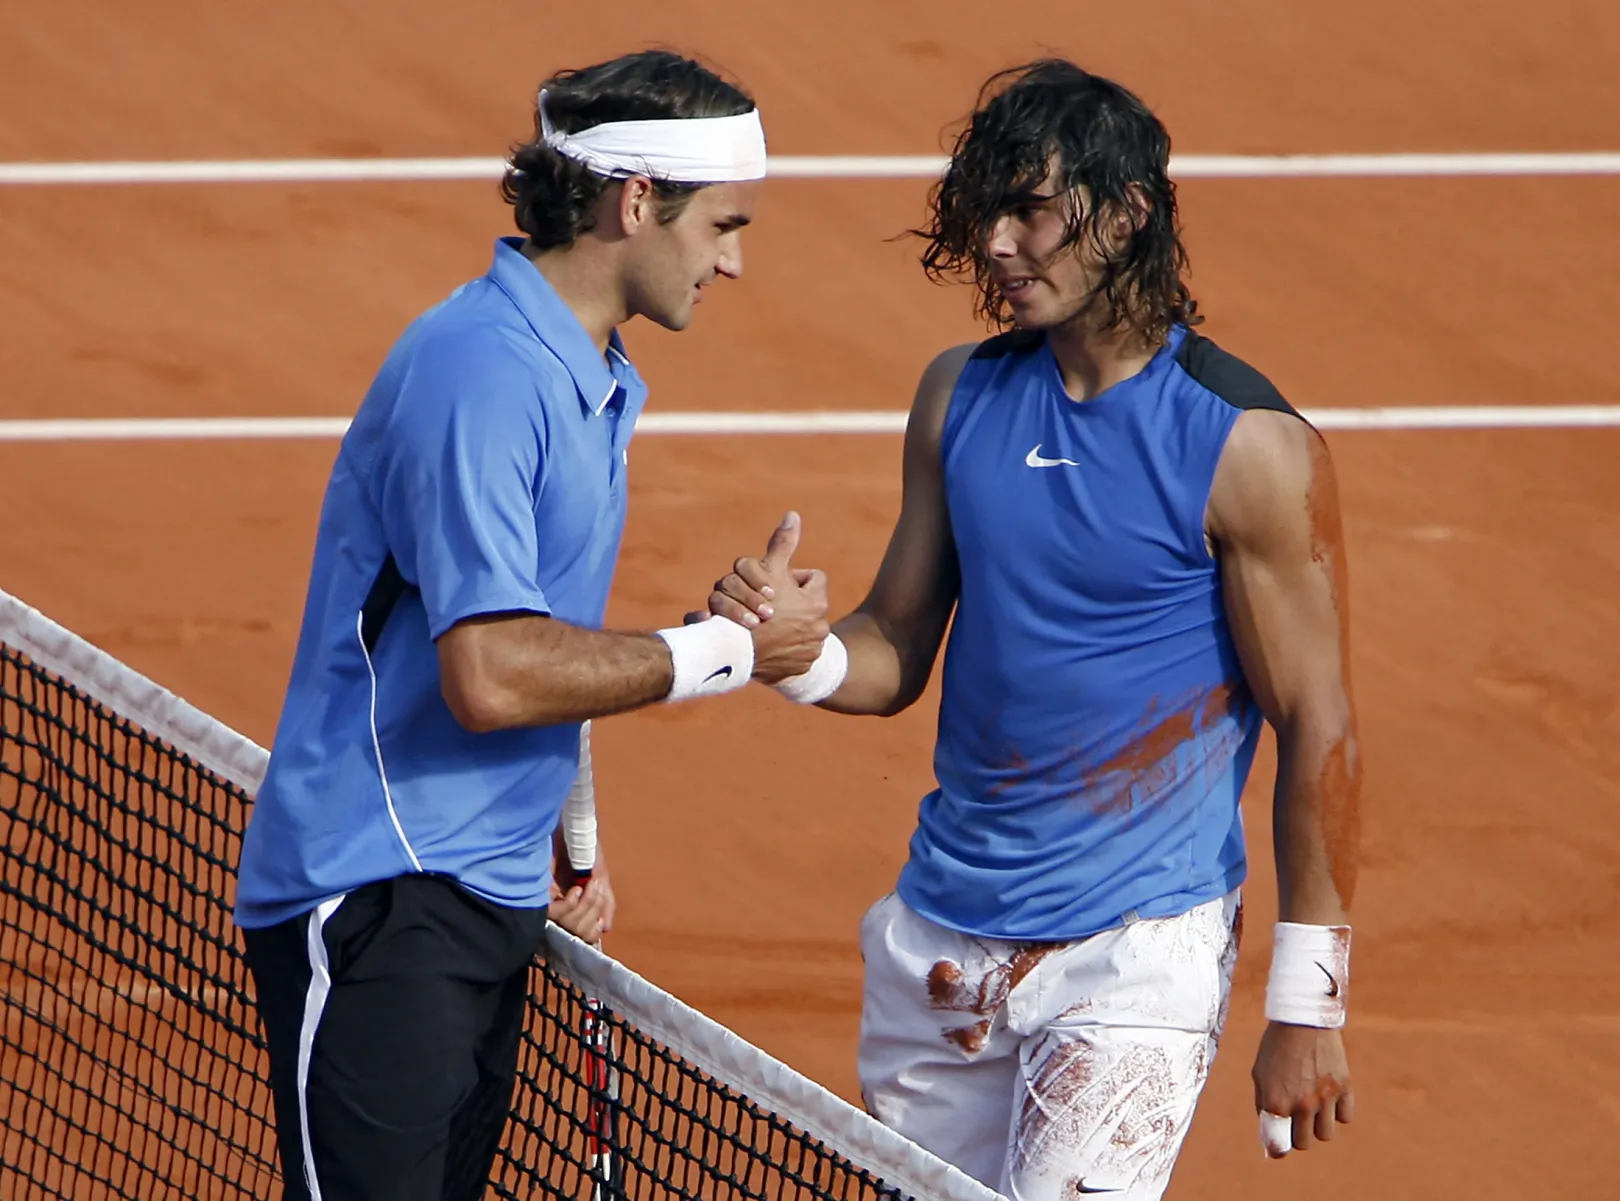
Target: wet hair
<point>1103,139</point>
<point>553,197</point>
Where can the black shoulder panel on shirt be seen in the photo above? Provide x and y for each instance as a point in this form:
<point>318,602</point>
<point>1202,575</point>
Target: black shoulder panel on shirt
<point>1228,376</point>
<point>1014,341</point>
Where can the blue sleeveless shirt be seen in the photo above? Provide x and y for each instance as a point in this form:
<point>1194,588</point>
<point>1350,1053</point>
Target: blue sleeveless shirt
<point>1095,730</point>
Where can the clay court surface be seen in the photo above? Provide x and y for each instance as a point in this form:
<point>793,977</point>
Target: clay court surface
<point>746,837</point>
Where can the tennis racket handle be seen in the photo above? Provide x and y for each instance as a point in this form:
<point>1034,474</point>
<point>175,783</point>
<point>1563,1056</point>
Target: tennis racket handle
<point>579,811</point>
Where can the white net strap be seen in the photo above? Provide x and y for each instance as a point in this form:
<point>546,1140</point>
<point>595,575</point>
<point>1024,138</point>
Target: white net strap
<point>131,695</point>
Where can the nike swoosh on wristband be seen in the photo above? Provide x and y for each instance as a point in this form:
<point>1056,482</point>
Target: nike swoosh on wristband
<point>1034,459</point>
<point>1333,984</point>
<point>720,672</point>
<point>1080,1186</point>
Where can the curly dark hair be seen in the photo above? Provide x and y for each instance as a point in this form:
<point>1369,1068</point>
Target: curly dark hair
<point>1104,140</point>
<point>553,197</point>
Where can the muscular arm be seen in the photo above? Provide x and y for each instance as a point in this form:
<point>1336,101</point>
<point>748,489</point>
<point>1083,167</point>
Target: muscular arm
<point>893,637</point>
<point>509,670</point>
<point>1274,518</point>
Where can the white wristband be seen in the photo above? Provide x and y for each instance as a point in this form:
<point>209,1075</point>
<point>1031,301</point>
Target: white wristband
<point>1310,975</point>
<point>823,678</point>
<point>710,657</point>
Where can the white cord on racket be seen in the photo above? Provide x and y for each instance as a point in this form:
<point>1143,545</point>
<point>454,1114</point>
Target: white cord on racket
<point>579,812</point>
<point>580,841</point>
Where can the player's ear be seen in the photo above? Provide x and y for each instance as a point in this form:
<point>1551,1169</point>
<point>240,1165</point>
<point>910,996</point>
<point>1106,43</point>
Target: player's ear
<point>637,205</point>
<point>1129,216</point>
<point>1137,205</point>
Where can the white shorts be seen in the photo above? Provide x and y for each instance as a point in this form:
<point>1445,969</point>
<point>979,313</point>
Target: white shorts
<point>1046,1070</point>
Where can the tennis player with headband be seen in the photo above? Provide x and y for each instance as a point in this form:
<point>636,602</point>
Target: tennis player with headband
<point>396,872</point>
<point>1135,542</point>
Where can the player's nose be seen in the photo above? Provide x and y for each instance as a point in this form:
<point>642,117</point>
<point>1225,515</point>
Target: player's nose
<point>1001,244</point>
<point>730,262</point>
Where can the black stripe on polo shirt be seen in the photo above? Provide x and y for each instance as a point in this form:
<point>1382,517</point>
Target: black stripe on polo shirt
<point>385,592</point>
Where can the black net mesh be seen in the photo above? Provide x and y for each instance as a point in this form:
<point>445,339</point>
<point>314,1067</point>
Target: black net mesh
<point>610,1109</point>
<point>131,1063</point>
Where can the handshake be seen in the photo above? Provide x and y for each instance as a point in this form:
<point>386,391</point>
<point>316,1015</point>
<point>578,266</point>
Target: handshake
<point>783,608</point>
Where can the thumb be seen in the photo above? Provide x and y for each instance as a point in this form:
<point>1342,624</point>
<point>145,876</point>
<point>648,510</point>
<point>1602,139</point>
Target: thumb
<point>784,541</point>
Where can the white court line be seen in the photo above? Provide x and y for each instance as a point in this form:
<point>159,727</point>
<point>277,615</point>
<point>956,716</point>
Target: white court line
<point>1187,166</point>
<point>801,422</point>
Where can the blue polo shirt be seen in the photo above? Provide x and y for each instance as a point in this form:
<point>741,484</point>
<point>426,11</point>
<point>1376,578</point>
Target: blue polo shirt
<point>488,461</point>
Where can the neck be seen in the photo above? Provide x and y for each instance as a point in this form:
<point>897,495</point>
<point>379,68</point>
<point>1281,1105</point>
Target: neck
<point>1093,360</point>
<point>586,280</point>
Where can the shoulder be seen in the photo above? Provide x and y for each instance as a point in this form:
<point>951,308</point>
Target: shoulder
<point>1271,454</point>
<point>460,358</point>
<point>476,339</point>
<point>1272,444</point>
<point>934,391</point>
<point>1274,471</point>
<point>944,369</point>
<point>941,376</point>
<point>465,396</point>
<point>1006,345</point>
<point>1227,377</point>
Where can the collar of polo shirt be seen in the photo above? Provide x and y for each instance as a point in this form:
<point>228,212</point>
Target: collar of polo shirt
<point>555,324</point>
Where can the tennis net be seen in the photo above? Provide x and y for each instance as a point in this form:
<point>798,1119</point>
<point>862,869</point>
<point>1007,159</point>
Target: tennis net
<point>131,1060</point>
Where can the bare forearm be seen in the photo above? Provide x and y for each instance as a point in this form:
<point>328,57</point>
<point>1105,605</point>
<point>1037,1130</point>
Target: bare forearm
<point>544,672</point>
<point>872,684</point>
<point>887,673</point>
<point>1317,821</point>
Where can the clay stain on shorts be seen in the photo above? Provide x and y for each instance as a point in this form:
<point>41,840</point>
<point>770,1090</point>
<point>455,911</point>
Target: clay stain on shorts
<point>1069,1102</point>
<point>950,990</point>
<point>1056,1090</point>
<point>970,1038</point>
<point>1226,966</point>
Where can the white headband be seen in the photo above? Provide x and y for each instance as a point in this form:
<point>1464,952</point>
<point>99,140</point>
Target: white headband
<point>684,150</point>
